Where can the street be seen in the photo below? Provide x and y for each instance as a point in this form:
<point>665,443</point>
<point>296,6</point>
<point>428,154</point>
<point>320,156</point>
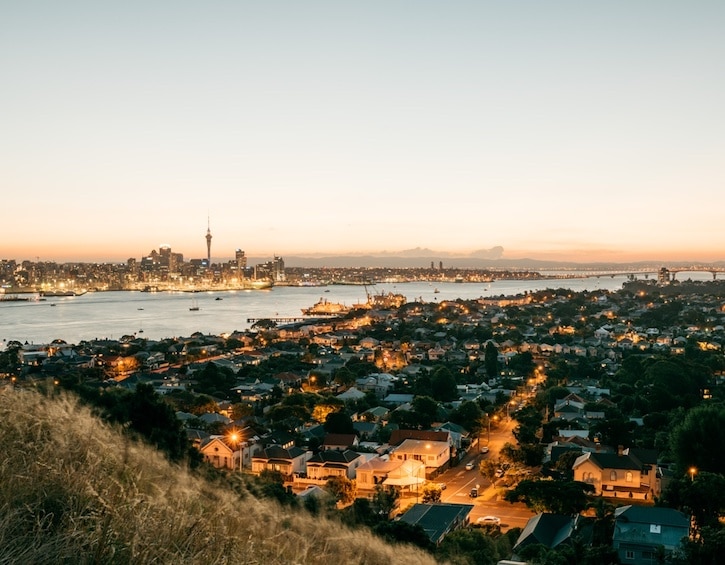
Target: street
<point>489,501</point>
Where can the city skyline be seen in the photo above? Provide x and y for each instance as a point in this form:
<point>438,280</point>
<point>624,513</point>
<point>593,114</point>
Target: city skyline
<point>557,132</point>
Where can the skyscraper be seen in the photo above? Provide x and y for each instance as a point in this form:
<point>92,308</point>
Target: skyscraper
<point>208,243</point>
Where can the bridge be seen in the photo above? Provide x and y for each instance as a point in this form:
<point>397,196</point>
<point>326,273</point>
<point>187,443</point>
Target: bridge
<point>664,274</point>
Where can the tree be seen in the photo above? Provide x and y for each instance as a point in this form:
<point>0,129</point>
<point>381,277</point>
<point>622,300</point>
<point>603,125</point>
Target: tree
<point>403,532</point>
<point>339,423</point>
<point>342,488</point>
<point>699,441</point>
<point>474,546</point>
<point>470,416</point>
<point>443,385</point>
<point>490,359</point>
<point>702,495</point>
<point>558,497</point>
<point>431,493</point>
<point>427,410</point>
<point>344,376</point>
<point>385,500</point>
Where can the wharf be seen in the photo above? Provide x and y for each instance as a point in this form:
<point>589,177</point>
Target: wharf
<point>284,320</point>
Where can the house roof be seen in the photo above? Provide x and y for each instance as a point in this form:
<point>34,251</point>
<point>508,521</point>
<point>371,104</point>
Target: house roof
<point>280,453</point>
<point>422,447</point>
<point>652,515</point>
<point>546,529</point>
<point>340,439</point>
<point>437,519</point>
<point>399,436</point>
<point>332,456</point>
<point>610,461</point>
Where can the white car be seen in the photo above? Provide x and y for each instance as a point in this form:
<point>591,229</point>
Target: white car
<point>484,449</point>
<point>489,521</point>
<point>469,466</point>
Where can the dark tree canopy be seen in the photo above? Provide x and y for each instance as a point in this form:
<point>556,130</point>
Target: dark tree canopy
<point>558,497</point>
<point>699,440</point>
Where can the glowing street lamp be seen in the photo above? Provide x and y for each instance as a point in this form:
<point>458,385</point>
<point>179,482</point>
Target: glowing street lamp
<point>236,439</point>
<point>693,472</point>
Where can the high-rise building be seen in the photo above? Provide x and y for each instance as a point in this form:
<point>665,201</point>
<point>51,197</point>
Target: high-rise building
<point>208,243</point>
<point>241,259</point>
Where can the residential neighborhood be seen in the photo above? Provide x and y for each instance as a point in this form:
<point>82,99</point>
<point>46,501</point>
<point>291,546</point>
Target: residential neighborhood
<point>524,392</point>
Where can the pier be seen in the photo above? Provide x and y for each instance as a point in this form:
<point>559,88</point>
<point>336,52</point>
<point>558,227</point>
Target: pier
<point>290,320</point>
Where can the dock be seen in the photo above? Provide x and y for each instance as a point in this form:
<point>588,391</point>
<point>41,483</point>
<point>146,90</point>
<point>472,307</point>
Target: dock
<point>290,320</point>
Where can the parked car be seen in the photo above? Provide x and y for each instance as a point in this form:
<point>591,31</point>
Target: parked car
<point>442,486</point>
<point>469,466</point>
<point>498,474</point>
<point>484,449</point>
<point>489,521</point>
<point>474,492</point>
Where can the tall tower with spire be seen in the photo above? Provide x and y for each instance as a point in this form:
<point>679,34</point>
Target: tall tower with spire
<point>208,242</point>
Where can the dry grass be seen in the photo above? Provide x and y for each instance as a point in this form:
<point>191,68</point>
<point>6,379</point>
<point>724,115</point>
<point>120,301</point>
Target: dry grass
<point>73,490</point>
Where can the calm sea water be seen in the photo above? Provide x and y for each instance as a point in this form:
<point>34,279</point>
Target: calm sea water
<point>161,315</point>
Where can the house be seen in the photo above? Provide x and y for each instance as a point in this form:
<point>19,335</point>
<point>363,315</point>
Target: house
<point>351,394</point>
<point>218,452</point>
<point>642,532</point>
<point>333,463</point>
<point>287,461</point>
<point>550,530</point>
<point>617,475</point>
<point>390,472</point>
<point>437,520</point>
<point>339,442</point>
<point>436,455</point>
<point>399,436</point>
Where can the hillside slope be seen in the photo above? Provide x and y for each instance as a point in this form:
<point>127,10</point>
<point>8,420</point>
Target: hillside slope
<point>73,490</point>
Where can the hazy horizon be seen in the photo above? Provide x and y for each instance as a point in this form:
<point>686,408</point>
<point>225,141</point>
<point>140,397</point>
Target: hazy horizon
<point>387,256</point>
<point>559,131</point>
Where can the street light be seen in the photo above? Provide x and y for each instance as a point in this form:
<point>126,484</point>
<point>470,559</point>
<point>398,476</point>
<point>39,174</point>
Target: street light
<point>237,439</point>
<point>693,472</point>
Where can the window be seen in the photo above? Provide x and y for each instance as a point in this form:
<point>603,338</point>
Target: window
<point>613,476</point>
<point>629,554</point>
<point>629,476</point>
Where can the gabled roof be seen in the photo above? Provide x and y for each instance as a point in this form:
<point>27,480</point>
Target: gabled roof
<point>437,519</point>
<point>340,439</point>
<point>546,529</point>
<point>399,436</point>
<point>280,453</point>
<point>332,456</point>
<point>610,461</point>
<point>652,515</point>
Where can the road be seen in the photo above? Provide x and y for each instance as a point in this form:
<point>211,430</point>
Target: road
<point>489,502</point>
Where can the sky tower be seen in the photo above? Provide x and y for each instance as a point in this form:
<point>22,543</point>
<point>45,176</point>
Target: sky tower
<point>208,243</point>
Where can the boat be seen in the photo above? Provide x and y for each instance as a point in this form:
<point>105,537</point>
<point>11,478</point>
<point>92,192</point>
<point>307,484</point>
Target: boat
<point>324,307</point>
<point>62,293</point>
<point>256,284</point>
<point>436,291</point>
<point>386,301</point>
<point>194,306</point>
<point>218,298</point>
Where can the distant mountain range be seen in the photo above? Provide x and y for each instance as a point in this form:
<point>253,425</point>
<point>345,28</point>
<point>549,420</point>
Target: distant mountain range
<point>480,259</point>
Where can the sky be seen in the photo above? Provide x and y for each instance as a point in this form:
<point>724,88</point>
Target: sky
<point>570,130</point>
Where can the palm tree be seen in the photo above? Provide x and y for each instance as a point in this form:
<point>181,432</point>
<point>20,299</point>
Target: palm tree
<point>603,521</point>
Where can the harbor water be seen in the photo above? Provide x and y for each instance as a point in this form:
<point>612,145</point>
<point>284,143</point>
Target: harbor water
<point>158,315</point>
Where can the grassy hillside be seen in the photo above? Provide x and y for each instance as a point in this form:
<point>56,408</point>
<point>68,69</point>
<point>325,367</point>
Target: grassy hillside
<point>73,490</point>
